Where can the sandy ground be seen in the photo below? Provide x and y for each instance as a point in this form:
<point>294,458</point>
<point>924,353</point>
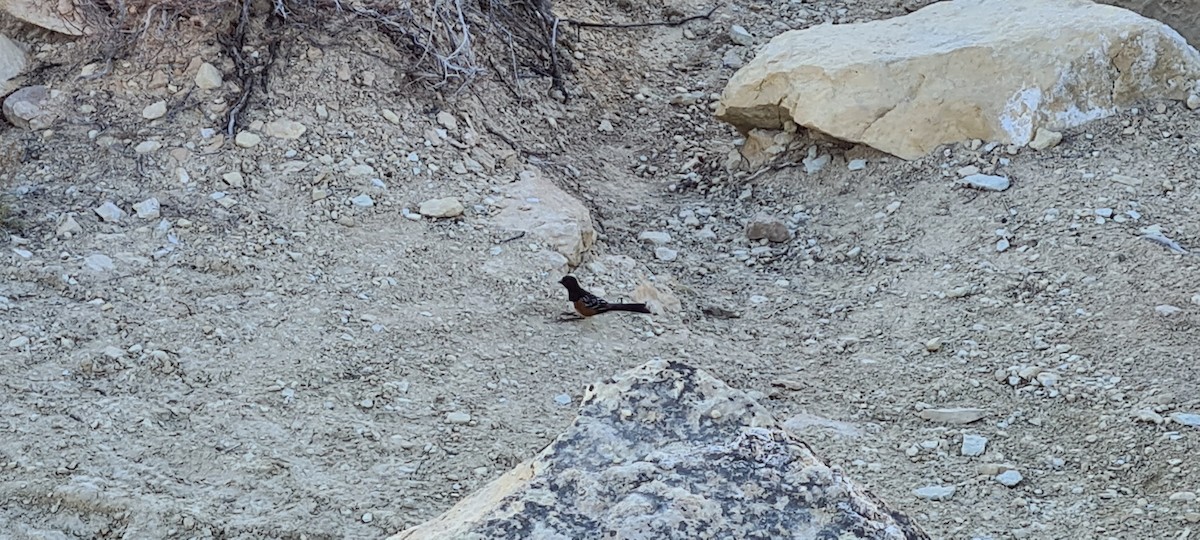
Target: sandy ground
<point>281,367</point>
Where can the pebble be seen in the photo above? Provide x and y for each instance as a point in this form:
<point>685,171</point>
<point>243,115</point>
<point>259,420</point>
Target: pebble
<point>361,169</point>
<point>1166,310</point>
<point>1183,496</point>
<point>1045,138</point>
<point>69,228</point>
<point>145,147</point>
<point>368,517</point>
<point>1196,299</point>
<point>857,164</point>
<point>1193,102</point>
<point>964,415</point>
<point>657,238</point>
<point>458,417</point>
<point>1009,478</point>
<point>155,110</point>
<point>447,120</point>
<point>1187,419</point>
<point>769,227</point>
<point>285,129</point>
<point>18,342</point>
<point>969,170</point>
<point>114,352</point>
<point>1002,245</point>
<point>731,59</point>
<point>935,493</point>
<point>986,182</point>
<point>390,116</point>
<point>605,126</point>
<point>892,207</point>
<point>234,179</point>
<point>99,262</point>
<point>1104,212</point>
<point>208,77</point>
<point>563,399</point>
<point>148,209</point>
<point>109,212</point>
<point>813,165</point>
<point>446,207</point>
<point>740,36</point>
<point>363,201</point>
<point>974,445</point>
<point>665,254</point>
<point>245,139</point>
<point>933,345</point>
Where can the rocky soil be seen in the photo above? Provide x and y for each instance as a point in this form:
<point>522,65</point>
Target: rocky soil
<point>262,338</point>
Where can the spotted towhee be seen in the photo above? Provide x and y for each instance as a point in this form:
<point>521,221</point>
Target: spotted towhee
<point>588,304</point>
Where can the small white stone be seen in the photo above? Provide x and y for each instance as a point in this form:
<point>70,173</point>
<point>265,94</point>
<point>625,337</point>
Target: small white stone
<point>148,209</point>
<point>447,120</point>
<point>99,262</point>
<point>605,126</point>
<point>18,342</point>
<point>974,445</point>
<point>208,77</point>
<point>285,129</point>
<point>234,179</point>
<point>1166,310</point>
<point>109,212</point>
<point>1045,138</point>
<point>368,517</point>
<point>857,164</point>
<point>446,207</point>
<point>155,110</point>
<point>390,116</point>
<point>361,169</point>
<point>1193,102</point>
<point>740,36</point>
<point>145,147</point>
<point>458,417</point>
<point>935,493</point>
<point>986,182</point>
<point>246,139</point>
<point>657,238</point>
<point>1002,245</point>
<point>363,201</point>
<point>1009,478</point>
<point>665,254</point>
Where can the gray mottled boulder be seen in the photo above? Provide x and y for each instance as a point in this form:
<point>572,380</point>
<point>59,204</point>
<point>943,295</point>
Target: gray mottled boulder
<point>668,451</point>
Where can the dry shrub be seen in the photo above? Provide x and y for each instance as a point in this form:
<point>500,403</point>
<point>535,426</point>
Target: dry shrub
<point>449,43</point>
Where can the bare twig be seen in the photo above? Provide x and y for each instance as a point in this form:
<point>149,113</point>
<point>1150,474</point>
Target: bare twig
<point>586,24</point>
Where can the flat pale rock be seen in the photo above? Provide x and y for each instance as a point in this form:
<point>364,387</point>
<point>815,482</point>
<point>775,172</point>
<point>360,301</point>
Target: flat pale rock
<point>666,451</point>
<point>48,15</point>
<point>995,70</point>
<point>12,61</point>
<point>28,108</point>
<point>445,207</point>
<point>208,77</point>
<point>285,129</point>
<point>536,206</point>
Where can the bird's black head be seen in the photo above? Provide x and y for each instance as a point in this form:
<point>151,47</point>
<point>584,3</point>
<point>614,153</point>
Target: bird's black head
<point>569,281</point>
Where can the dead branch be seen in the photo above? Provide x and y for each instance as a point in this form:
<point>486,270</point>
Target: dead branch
<point>685,20</point>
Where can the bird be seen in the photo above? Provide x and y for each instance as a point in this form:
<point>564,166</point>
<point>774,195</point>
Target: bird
<point>588,304</point>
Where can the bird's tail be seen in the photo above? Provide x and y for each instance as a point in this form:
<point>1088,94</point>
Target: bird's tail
<point>636,308</point>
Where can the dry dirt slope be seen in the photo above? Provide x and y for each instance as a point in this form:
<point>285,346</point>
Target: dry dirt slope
<point>286,368</point>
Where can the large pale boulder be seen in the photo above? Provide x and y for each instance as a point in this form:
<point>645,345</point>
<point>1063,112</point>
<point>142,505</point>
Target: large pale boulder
<point>995,70</point>
<point>60,16</point>
<point>1182,15</point>
<point>537,207</point>
<point>666,451</point>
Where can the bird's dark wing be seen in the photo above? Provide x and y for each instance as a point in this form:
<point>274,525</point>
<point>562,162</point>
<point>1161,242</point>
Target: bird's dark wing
<point>594,303</point>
